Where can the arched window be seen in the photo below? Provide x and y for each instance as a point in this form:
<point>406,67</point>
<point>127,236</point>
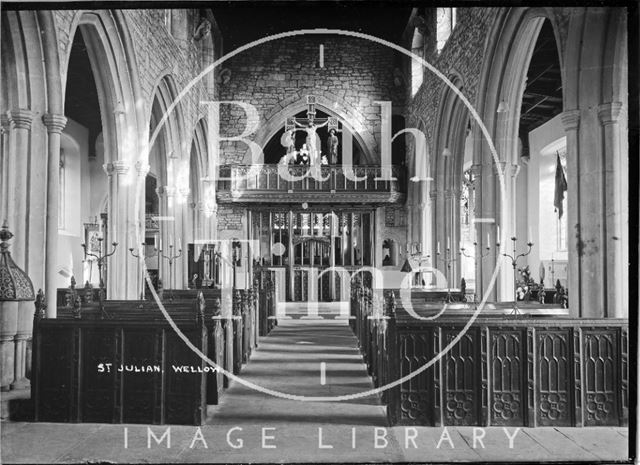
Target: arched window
<point>445,22</point>
<point>417,70</point>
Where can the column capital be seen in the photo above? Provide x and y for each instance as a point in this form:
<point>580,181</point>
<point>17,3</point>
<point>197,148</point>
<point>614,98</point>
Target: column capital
<point>609,112</point>
<point>168,191</point>
<point>570,119</point>
<point>109,168</point>
<point>499,167</point>
<point>142,168</point>
<point>20,118</point>
<point>4,120</point>
<point>54,123</point>
<point>121,166</point>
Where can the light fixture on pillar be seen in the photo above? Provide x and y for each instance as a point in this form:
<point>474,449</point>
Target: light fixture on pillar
<point>446,152</point>
<point>503,106</point>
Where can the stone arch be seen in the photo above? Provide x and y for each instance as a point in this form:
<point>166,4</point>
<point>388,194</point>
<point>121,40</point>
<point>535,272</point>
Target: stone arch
<point>274,121</point>
<point>109,47</point>
<point>169,144</point>
<point>113,60</point>
<point>31,105</point>
<point>449,141</point>
<point>509,48</point>
<point>592,77</point>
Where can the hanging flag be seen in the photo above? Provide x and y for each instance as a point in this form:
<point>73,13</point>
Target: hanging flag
<point>561,186</point>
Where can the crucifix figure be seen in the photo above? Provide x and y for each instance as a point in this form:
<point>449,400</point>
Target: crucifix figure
<point>311,136</point>
<point>310,125</point>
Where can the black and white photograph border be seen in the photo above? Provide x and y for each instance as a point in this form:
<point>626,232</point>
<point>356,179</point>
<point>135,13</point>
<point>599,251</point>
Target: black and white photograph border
<point>318,231</point>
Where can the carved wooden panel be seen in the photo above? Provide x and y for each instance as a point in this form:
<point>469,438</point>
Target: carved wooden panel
<point>184,391</point>
<point>141,390</point>
<point>55,374</point>
<point>461,378</point>
<point>98,387</point>
<point>507,371</point>
<point>554,378</point>
<point>601,379</point>
<point>624,375</point>
<point>415,400</point>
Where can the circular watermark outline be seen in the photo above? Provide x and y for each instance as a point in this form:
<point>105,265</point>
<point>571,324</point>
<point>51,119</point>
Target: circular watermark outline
<point>492,149</point>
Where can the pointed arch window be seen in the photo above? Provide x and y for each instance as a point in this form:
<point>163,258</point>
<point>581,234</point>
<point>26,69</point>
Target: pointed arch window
<point>417,70</point>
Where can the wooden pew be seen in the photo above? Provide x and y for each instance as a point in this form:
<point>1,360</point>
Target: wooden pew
<point>503,370</point>
<point>145,382</point>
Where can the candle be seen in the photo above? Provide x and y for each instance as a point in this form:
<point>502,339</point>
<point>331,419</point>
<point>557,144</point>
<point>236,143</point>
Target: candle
<point>438,246</point>
<point>170,240</point>
<point>498,234</point>
<point>488,239</point>
<point>530,237</point>
<point>448,242</point>
<point>179,243</point>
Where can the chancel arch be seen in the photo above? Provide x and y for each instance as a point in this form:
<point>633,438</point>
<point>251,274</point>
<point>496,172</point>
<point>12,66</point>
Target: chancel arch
<point>331,105</point>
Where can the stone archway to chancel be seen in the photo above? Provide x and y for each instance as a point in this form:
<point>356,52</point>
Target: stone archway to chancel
<point>273,122</point>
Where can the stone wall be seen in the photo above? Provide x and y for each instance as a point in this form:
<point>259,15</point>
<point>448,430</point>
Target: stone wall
<point>280,74</point>
<point>463,55</point>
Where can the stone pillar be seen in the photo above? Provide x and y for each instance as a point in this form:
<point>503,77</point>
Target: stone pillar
<point>18,180</point>
<point>139,213</point>
<point>615,227</point>
<point>120,274</point>
<point>8,330</point>
<point>504,283</point>
<point>571,122</point>
<point>4,160</point>
<point>54,124</point>
<point>486,209</point>
<point>477,230</point>
<point>166,196</point>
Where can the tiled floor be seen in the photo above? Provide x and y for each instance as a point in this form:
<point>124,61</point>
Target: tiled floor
<point>252,426</point>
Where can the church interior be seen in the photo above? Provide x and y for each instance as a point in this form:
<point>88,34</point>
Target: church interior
<point>346,215</point>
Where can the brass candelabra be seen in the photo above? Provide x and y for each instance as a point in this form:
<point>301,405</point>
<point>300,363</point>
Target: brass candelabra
<point>514,263</point>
